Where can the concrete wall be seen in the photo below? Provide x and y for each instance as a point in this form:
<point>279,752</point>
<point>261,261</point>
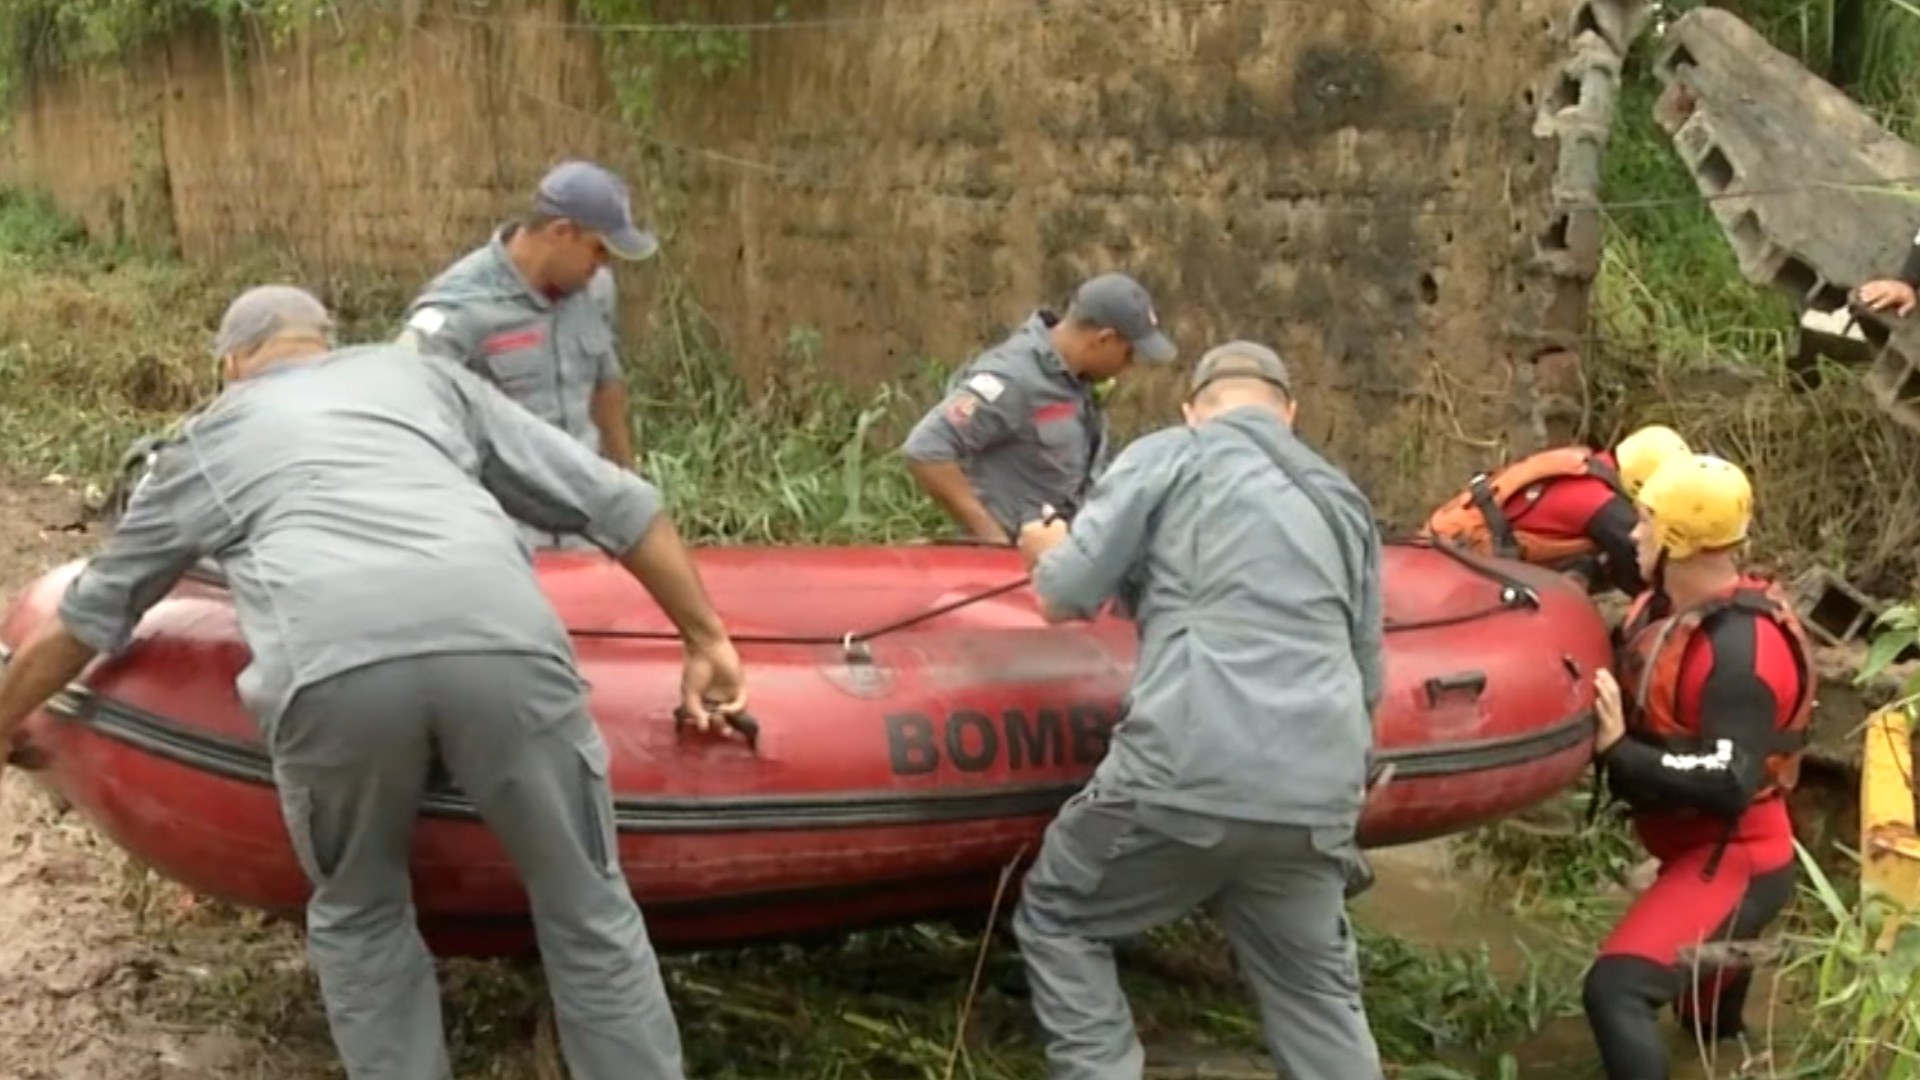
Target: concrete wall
<point>1381,189</point>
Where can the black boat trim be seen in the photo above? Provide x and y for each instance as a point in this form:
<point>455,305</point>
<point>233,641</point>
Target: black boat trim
<point>247,762</point>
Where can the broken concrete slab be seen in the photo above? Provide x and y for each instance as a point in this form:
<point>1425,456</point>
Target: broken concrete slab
<point>1796,172</point>
<point>1576,110</point>
<point>1813,195</point>
<point>1833,610</point>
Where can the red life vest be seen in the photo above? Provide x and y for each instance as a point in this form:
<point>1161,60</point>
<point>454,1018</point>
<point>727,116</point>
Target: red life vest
<point>1648,663</point>
<point>1476,519</point>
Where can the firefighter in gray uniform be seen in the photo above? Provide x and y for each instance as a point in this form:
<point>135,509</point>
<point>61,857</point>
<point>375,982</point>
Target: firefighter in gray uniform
<point>1022,424</point>
<point>531,310</point>
<point>1236,778</point>
<point>353,499</point>
<point>606,297</point>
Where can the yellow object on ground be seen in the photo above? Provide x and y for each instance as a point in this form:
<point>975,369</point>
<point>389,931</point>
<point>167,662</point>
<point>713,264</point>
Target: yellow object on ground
<point>1889,844</point>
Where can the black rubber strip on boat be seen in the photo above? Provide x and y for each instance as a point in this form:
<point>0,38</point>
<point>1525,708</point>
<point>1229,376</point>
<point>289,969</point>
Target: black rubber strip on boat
<point>247,762</point>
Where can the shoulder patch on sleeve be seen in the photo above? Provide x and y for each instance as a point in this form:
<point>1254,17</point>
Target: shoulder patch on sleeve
<point>428,321</point>
<point>989,387</point>
<point>960,409</point>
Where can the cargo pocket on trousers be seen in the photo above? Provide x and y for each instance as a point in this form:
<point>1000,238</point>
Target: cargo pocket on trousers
<point>296,810</point>
<point>1343,847</point>
<point>598,828</point>
<point>1092,831</point>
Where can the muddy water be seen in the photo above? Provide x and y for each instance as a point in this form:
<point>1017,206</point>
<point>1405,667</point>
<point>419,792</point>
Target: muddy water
<point>1420,896</point>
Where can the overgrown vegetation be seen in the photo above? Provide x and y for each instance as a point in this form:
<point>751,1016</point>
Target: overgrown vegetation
<point>42,36</point>
<point>1896,638</point>
<point>635,60</point>
<point>887,1004</point>
<point>1681,337</point>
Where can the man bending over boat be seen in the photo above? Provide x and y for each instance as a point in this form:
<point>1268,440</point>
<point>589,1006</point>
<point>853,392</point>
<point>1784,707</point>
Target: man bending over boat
<point>1701,737</point>
<point>1023,424</point>
<point>1236,778</point>
<point>1569,508</point>
<point>353,500</point>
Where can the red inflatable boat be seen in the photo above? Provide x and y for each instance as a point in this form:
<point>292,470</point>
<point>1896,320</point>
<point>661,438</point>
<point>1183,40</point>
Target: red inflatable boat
<point>919,724</point>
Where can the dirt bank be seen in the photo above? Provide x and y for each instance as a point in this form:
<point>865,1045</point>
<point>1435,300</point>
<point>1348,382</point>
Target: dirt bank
<point>87,986</point>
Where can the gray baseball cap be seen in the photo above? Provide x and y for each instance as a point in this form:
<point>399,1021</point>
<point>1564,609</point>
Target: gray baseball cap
<point>1241,360</point>
<point>1117,302</point>
<point>265,311</point>
<point>586,193</point>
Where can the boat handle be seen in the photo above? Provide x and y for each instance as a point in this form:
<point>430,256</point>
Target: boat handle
<point>741,722</point>
<point>26,755</point>
<point>1474,682</point>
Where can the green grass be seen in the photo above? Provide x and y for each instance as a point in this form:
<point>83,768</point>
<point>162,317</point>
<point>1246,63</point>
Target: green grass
<point>884,1004</point>
<point>1670,292</point>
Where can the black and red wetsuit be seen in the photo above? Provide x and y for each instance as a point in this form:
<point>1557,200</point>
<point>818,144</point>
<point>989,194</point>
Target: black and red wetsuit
<point>1590,508</point>
<point>1717,699</point>
<point>1563,508</point>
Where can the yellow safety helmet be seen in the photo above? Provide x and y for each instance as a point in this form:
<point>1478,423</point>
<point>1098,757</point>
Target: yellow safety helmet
<point>1642,452</point>
<point>1697,503</point>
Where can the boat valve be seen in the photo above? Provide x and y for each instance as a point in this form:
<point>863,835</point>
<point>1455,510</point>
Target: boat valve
<point>855,650</point>
<point>1520,596</point>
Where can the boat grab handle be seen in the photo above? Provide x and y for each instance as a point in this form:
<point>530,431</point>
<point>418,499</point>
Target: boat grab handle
<point>1474,682</point>
<point>26,755</point>
<point>741,722</point>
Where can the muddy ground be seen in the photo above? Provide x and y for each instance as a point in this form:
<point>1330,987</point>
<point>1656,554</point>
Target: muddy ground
<point>78,975</point>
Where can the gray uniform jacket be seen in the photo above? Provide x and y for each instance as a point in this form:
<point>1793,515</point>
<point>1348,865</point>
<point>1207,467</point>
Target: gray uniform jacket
<point>1260,622</point>
<point>354,502</point>
<point>547,354</point>
<point>1027,431</point>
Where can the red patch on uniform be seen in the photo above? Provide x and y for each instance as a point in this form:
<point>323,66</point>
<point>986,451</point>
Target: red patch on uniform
<point>960,409</point>
<point>1059,410</point>
<point>514,339</point>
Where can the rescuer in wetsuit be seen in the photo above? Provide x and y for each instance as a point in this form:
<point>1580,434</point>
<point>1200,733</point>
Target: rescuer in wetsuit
<point>1701,736</point>
<point>1568,508</point>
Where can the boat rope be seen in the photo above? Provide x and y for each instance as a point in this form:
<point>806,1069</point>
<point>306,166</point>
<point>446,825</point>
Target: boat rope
<point>847,640</point>
<point>1513,594</point>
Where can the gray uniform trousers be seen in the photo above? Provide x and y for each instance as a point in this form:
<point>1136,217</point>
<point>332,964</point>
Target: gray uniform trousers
<point>351,756</point>
<point>1112,868</point>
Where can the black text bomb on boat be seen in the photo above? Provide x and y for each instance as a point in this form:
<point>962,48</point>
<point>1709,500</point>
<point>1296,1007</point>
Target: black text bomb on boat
<point>974,740</point>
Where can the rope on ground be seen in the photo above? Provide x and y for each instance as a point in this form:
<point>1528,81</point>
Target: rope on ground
<point>980,962</point>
